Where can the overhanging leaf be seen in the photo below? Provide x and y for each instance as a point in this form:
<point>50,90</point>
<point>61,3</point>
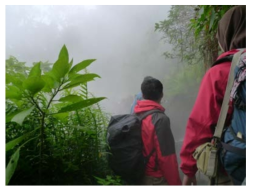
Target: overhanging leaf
<point>81,104</point>
<point>34,84</point>
<point>36,70</point>
<point>49,83</point>
<point>63,54</point>
<point>70,64</point>
<point>80,66</point>
<point>71,98</point>
<point>61,66</point>
<point>19,118</point>
<point>11,167</point>
<point>81,79</point>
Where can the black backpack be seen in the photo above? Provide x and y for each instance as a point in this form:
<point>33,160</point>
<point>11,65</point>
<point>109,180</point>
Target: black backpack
<point>125,146</point>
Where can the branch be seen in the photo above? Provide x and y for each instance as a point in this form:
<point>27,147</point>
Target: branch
<point>37,106</point>
<point>54,94</point>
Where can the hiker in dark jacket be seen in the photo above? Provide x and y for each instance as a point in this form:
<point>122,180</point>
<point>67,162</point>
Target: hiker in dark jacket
<point>204,115</point>
<point>162,167</point>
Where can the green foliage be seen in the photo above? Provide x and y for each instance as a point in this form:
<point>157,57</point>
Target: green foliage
<point>81,104</point>
<point>109,180</point>
<point>16,141</point>
<point>80,66</point>
<point>35,71</point>
<point>11,167</point>
<point>80,79</point>
<point>63,138</point>
<point>207,18</point>
<point>19,118</point>
<point>13,92</point>
<point>71,98</point>
<point>205,23</point>
<point>34,84</point>
<point>61,66</point>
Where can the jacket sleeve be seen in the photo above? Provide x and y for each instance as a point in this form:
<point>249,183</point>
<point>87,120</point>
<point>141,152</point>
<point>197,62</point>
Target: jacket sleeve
<point>204,115</point>
<point>165,148</point>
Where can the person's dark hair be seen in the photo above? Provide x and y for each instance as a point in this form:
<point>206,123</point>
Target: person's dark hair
<point>147,77</point>
<point>152,88</point>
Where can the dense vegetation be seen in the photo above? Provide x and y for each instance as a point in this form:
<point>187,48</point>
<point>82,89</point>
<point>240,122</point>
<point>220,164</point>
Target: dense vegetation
<point>55,132</point>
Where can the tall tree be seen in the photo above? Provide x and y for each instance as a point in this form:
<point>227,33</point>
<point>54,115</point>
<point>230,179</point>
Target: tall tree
<point>191,30</point>
<point>177,33</point>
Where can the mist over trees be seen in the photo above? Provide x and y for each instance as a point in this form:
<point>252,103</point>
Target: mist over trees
<point>121,38</point>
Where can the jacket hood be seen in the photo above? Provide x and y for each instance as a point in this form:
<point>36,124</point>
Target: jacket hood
<point>231,32</point>
<point>146,105</point>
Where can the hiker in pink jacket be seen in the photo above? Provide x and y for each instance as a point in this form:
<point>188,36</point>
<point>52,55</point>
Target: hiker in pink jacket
<point>204,115</point>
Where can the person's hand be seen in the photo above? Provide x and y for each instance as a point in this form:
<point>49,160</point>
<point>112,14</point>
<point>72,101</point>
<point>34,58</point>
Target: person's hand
<point>189,180</point>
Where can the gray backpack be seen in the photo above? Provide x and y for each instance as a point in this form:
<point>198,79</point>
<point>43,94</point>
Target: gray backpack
<point>125,142</point>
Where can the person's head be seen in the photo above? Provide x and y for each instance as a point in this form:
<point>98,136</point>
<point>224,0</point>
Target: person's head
<point>147,78</point>
<point>152,89</point>
<point>231,32</point>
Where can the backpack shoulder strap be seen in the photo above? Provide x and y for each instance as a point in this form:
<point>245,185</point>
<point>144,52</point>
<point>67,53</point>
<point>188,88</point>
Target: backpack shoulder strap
<point>142,116</point>
<point>224,107</point>
<point>145,114</point>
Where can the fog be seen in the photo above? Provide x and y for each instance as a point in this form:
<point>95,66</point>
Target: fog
<point>121,39</point>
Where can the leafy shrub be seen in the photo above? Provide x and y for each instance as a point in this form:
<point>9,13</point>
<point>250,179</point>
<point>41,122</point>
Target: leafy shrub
<point>55,129</point>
